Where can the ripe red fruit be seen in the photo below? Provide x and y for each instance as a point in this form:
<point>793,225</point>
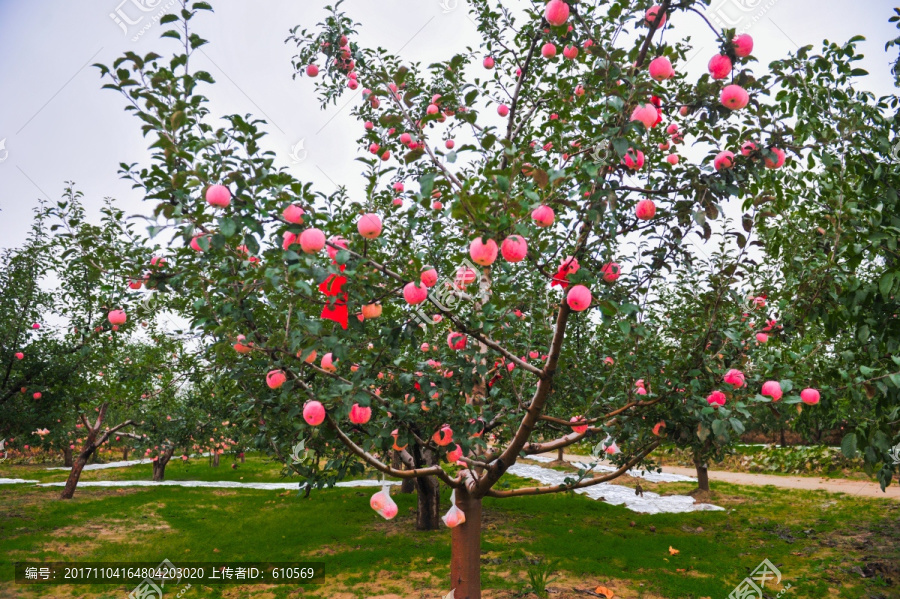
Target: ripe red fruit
<point>327,363</point>
<point>548,50</point>
<point>724,159</point>
<point>716,399</point>
<point>117,317</point>
<point>543,216</point>
<point>369,226</point>
<point>661,69</point>
<point>570,52</point>
<point>488,62</point>
<point>514,248</point>
<point>371,311</point>
<point>20,356</point>
<point>314,413</point>
<point>653,13</point>
<point>218,195</point>
<point>611,272</point>
<point>634,159</point>
<point>275,379</point>
<point>444,436</point>
<point>778,162</point>
<point>772,389</point>
<point>457,341</point>
<point>359,414</point>
<point>503,110</point>
<point>449,144</point>
<point>734,97</point>
<point>743,45</point>
<point>578,428</point>
<point>579,298</point>
<point>482,253</point>
<point>415,294</point>
<point>312,70</point>
<point>429,277</point>
<point>312,241</point>
<point>293,214</point>
<point>719,66</point>
<point>809,396</point>
<point>645,209</point>
<point>556,12</point>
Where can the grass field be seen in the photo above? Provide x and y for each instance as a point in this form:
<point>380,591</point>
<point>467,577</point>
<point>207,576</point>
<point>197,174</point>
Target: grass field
<point>824,545</point>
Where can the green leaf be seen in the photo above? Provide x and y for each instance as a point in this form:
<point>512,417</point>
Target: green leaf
<point>737,425</point>
<point>625,327</point>
<point>848,445</point>
<point>227,226</point>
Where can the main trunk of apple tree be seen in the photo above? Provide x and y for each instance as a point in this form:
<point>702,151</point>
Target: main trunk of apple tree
<point>428,492</point>
<point>465,549</point>
<point>702,472</point>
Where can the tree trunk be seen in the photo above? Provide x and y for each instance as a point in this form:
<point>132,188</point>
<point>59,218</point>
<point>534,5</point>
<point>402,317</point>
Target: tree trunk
<point>124,454</point>
<point>702,472</point>
<point>408,485</point>
<point>559,455</point>
<point>783,442</point>
<point>465,549</point>
<point>159,466</point>
<point>215,460</point>
<point>67,457</point>
<point>428,510</point>
<point>242,457</point>
<point>77,467</point>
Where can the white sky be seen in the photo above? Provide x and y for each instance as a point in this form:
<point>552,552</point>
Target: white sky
<point>58,124</point>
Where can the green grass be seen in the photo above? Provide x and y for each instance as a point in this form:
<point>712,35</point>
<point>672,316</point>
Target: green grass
<point>821,543</point>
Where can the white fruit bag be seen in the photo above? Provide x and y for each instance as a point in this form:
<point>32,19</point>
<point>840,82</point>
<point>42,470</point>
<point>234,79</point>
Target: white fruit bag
<point>454,516</point>
<point>382,503</point>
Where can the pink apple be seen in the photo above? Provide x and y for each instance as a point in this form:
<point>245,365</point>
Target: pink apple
<point>312,240</point>
<point>579,298</point>
<point>195,243</point>
<point>327,363</point>
<point>455,454</point>
<point>514,248</point>
<point>312,70</point>
<point>646,114</point>
<point>684,110</point>
<point>293,214</point>
<point>444,436</point>
<point>369,226</point>
<point>672,129</point>
<point>218,195</point>
<point>772,389</point>
<point>734,378</point>
<point>314,413</point>
<point>634,159</point>
<point>335,240</point>
<point>548,50</point>
<point>117,317</point>
<point>369,125</point>
<point>724,159</point>
<point>503,110</point>
<point>20,356</point>
<point>578,428</point>
<point>415,294</point>
<point>543,216</point>
<point>743,45</point>
<point>653,13</point>
<point>719,66</point>
<point>36,326</point>
<point>570,52</point>
<point>370,311</point>
<point>556,12</point>
<point>488,62</point>
<point>611,272</point>
<point>645,209</point>
<point>747,148</point>
<point>449,144</point>
<point>734,97</point>
<point>359,414</point>
<point>275,379</point>
<point>288,240</point>
<point>762,337</point>
<point>661,69</point>
<point>437,205</point>
<point>672,159</point>
<point>716,399</point>
<point>778,162</point>
<point>457,341</point>
<point>809,396</point>
<point>482,253</point>
<point>429,277</point>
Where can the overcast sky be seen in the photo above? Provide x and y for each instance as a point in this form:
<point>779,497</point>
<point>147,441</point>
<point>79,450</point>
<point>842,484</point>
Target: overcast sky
<point>58,125</point>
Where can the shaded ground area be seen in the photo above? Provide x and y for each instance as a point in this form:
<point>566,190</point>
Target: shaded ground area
<point>825,545</point>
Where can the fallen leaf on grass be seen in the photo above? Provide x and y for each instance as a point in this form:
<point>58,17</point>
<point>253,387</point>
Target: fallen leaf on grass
<point>605,592</point>
<point>673,551</point>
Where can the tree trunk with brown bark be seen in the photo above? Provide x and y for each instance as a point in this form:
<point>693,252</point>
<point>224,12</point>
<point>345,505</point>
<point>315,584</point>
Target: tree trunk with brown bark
<point>215,460</point>
<point>702,472</point>
<point>67,457</point>
<point>159,466</point>
<point>124,454</point>
<point>465,549</point>
<point>428,490</point>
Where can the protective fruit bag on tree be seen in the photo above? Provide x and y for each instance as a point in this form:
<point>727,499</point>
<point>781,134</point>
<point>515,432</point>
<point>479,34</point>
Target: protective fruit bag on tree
<point>382,503</point>
<point>454,516</point>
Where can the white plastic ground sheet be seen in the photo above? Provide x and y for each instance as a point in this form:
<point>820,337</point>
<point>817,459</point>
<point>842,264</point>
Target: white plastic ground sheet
<point>653,477</point>
<point>120,464</point>
<point>649,503</point>
<point>15,481</point>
